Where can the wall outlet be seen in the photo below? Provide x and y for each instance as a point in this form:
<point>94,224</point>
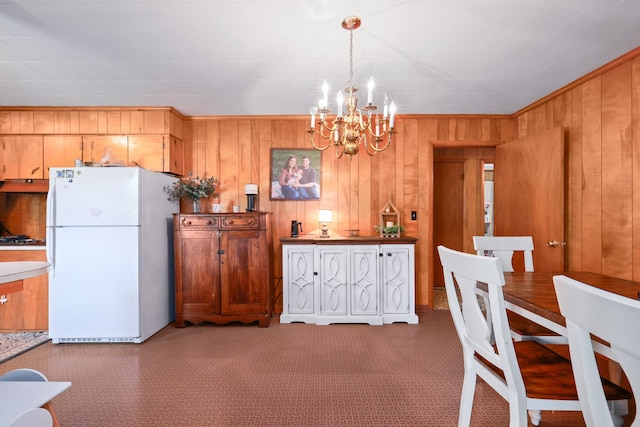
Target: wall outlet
<point>414,215</point>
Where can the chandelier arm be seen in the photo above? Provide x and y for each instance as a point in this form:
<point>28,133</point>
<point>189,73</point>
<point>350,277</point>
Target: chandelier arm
<point>312,138</point>
<point>378,149</point>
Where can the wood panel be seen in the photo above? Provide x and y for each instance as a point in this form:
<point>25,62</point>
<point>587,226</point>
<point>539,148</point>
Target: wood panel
<point>28,309</point>
<point>635,97</point>
<point>602,129</point>
<point>616,179</point>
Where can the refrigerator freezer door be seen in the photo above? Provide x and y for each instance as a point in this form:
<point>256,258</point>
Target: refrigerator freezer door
<point>93,289</point>
<point>94,196</point>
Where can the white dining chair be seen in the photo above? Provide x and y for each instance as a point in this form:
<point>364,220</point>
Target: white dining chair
<point>23,374</point>
<point>610,317</point>
<point>36,417</point>
<point>27,374</point>
<point>527,374</point>
<point>504,248</point>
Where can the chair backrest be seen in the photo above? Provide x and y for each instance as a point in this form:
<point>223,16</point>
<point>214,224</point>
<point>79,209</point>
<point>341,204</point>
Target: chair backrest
<point>502,247</point>
<point>474,332</point>
<point>36,417</point>
<point>23,374</point>
<point>613,318</point>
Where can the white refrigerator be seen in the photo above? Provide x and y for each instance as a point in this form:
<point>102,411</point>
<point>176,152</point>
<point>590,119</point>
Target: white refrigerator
<point>109,241</point>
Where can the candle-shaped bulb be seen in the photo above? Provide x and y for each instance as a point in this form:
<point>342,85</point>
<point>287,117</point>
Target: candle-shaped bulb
<point>392,111</point>
<point>370,92</point>
<point>313,111</point>
<point>340,100</point>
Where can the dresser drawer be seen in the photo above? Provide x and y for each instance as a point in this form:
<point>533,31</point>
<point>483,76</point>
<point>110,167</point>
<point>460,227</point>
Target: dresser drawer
<point>240,221</point>
<point>186,222</point>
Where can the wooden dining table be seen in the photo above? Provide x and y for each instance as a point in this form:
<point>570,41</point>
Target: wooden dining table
<point>533,296</point>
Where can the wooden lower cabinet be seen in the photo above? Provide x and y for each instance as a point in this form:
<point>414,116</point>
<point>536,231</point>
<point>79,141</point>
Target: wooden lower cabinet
<point>28,308</point>
<point>223,268</point>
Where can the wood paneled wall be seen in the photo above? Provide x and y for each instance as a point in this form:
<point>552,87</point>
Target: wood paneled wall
<point>601,119</point>
<point>88,120</point>
<point>237,151</point>
<point>600,115</point>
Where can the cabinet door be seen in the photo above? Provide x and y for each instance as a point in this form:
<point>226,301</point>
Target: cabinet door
<point>298,297</point>
<point>147,151</point>
<point>333,281</point>
<point>363,283</point>
<point>174,156</point>
<point>22,157</point>
<point>197,262</point>
<point>243,272</point>
<point>397,279</point>
<point>61,151</point>
<point>106,149</point>
<point>27,309</point>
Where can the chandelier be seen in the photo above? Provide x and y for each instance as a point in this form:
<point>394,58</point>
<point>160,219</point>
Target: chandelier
<point>347,132</point>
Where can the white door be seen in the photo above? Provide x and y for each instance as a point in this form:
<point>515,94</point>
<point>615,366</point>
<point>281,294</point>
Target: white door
<point>333,281</point>
<point>93,287</point>
<point>363,286</point>
<point>95,196</point>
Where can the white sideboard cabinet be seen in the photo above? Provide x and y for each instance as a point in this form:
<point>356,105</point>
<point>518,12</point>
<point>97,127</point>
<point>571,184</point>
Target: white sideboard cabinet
<point>348,280</point>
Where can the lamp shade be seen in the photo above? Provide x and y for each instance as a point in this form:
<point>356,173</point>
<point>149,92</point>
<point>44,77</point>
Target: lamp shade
<point>251,189</point>
<point>324,215</point>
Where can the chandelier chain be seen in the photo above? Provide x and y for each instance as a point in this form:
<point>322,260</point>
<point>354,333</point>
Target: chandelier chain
<point>350,58</point>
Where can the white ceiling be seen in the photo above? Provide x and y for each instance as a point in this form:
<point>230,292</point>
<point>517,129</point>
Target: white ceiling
<point>269,57</point>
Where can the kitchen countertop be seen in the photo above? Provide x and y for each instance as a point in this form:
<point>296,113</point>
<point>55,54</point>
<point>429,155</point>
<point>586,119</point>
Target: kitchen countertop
<point>18,270</point>
<point>23,247</point>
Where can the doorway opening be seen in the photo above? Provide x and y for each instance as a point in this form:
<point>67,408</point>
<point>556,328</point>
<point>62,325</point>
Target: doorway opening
<point>488,199</point>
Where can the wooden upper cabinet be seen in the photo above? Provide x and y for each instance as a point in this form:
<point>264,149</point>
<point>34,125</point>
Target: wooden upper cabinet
<point>22,157</point>
<point>160,153</point>
<point>174,151</point>
<point>106,149</point>
<point>61,151</point>
<point>149,122</point>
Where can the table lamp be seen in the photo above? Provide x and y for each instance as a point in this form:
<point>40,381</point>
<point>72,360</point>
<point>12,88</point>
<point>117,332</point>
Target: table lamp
<point>324,217</point>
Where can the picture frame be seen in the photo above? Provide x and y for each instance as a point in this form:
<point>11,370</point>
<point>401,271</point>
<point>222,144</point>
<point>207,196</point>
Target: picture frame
<point>298,183</point>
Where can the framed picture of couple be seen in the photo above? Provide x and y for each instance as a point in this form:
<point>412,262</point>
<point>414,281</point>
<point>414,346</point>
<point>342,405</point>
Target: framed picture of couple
<point>295,174</point>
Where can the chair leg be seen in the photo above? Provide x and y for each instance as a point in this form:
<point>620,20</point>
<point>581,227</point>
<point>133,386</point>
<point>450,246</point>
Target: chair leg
<point>466,398</point>
<point>535,416</point>
<point>49,407</point>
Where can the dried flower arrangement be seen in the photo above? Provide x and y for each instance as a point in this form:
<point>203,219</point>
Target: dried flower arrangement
<point>194,188</point>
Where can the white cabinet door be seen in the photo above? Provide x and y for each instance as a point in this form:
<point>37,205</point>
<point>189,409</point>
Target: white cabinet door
<point>349,284</point>
<point>398,284</point>
<point>333,280</point>
<point>298,284</point>
<point>363,283</point>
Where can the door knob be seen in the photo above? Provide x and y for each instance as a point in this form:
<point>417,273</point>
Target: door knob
<point>554,244</point>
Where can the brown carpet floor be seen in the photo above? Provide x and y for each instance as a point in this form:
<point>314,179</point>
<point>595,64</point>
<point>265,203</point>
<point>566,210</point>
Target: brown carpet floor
<point>283,375</point>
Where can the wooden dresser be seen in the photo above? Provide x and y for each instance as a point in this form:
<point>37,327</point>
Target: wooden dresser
<point>223,268</point>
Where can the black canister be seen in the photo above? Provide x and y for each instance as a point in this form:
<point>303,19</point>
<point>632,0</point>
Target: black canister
<point>295,226</point>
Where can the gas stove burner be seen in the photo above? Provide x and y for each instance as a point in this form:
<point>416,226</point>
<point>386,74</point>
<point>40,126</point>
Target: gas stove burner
<point>20,239</point>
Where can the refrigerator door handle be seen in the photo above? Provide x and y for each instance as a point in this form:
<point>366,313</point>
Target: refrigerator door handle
<point>50,228</point>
